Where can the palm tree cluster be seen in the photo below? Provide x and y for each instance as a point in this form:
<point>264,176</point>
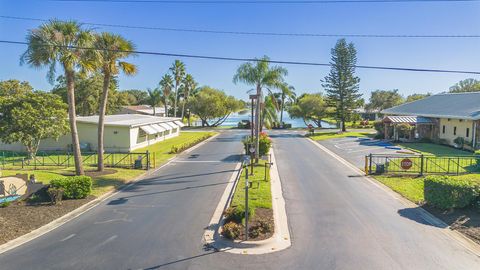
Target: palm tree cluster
<point>79,50</point>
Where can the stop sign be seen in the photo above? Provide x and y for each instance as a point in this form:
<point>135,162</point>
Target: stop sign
<point>406,164</point>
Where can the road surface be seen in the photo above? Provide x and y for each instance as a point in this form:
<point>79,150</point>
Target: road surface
<point>337,219</point>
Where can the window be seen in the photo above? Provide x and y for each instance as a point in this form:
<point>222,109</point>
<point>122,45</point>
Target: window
<point>467,133</point>
<point>461,120</point>
<point>454,130</point>
<point>448,119</point>
<point>443,129</point>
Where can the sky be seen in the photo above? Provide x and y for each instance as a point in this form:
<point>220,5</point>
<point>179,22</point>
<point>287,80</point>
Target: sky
<point>442,18</point>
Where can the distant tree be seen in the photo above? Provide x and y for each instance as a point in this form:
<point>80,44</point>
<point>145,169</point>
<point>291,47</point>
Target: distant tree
<point>212,104</point>
<point>178,72</point>
<point>341,83</point>
<point>310,107</point>
<point>166,85</point>
<point>467,85</point>
<point>113,49</point>
<point>14,88</point>
<point>188,85</point>
<point>414,97</point>
<point>287,92</point>
<point>136,97</point>
<point>59,43</point>
<point>32,117</point>
<point>383,99</point>
<point>154,98</point>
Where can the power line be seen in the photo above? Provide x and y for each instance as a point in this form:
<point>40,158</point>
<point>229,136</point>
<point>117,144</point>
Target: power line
<point>247,33</point>
<point>266,1</point>
<point>253,59</point>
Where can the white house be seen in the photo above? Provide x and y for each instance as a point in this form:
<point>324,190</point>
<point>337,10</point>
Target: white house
<point>123,133</point>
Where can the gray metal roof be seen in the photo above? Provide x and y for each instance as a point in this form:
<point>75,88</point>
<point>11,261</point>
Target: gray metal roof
<point>452,105</point>
<point>129,120</point>
<point>407,119</point>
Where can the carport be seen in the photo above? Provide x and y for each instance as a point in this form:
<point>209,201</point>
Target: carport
<point>422,127</point>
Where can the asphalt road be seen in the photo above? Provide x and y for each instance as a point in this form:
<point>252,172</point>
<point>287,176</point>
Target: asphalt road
<point>337,219</point>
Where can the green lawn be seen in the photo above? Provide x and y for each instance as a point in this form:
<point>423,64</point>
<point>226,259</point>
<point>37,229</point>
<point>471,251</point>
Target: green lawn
<point>320,136</point>
<point>434,149</point>
<point>259,194</point>
<point>162,149</point>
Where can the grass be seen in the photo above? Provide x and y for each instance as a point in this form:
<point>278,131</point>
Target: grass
<point>434,149</point>
<point>162,149</point>
<point>320,136</point>
<point>259,194</point>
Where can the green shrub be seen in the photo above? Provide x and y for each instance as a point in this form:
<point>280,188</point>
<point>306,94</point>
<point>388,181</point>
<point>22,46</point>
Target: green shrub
<point>459,141</point>
<point>56,195</point>
<point>264,143</point>
<point>180,148</point>
<point>231,230</point>
<point>446,193</point>
<point>75,187</point>
<point>237,213</point>
<point>5,204</point>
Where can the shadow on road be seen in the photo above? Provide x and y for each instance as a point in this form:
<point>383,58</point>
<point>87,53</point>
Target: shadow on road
<point>178,261</point>
<point>416,215</point>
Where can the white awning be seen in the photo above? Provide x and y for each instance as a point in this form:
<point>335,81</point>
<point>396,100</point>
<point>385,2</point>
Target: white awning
<point>149,130</point>
<point>172,124</point>
<point>158,128</point>
<point>165,126</point>
<point>179,123</point>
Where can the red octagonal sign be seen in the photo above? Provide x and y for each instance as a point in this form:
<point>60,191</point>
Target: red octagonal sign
<point>406,164</point>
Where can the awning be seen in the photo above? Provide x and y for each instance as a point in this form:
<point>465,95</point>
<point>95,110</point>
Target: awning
<point>165,126</point>
<point>158,128</point>
<point>149,130</point>
<point>407,120</point>
<point>171,124</point>
<point>179,123</point>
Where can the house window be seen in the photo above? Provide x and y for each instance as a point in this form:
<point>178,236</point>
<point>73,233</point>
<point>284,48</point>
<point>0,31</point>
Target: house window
<point>467,133</point>
<point>448,119</point>
<point>454,130</point>
<point>461,120</point>
<point>115,132</point>
<point>443,129</point>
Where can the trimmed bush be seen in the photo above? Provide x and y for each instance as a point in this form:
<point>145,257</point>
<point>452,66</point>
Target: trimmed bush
<point>447,193</point>
<point>231,230</point>
<point>180,148</point>
<point>264,143</point>
<point>75,187</point>
<point>237,213</point>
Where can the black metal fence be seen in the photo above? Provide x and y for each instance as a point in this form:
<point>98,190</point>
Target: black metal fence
<point>421,164</point>
<point>137,160</point>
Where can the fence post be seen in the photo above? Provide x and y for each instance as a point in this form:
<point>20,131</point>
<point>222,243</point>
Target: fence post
<point>366,165</point>
<point>458,165</point>
<point>148,160</point>
<point>370,164</point>
<point>421,165</point>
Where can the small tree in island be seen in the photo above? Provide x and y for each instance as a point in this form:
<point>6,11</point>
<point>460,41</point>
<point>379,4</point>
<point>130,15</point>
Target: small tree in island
<point>30,118</point>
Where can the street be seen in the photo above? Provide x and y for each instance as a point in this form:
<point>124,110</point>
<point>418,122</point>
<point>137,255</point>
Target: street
<point>338,220</point>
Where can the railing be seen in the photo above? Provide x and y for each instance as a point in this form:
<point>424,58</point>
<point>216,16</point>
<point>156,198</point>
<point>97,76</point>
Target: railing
<point>136,160</point>
<point>421,164</point>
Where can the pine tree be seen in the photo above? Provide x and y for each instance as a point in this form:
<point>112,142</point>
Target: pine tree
<point>341,83</point>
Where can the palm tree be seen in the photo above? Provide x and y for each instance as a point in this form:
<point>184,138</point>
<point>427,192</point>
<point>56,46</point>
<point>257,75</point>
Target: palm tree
<point>286,92</point>
<point>154,98</point>
<point>269,111</point>
<point>60,43</point>
<point>178,72</point>
<point>189,84</point>
<point>261,75</point>
<point>112,48</point>
<point>166,85</point>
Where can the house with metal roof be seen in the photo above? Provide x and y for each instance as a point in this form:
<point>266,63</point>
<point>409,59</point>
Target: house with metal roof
<point>142,109</point>
<point>123,133</point>
<point>441,118</point>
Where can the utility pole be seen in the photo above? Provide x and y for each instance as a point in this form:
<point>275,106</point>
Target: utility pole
<point>246,201</point>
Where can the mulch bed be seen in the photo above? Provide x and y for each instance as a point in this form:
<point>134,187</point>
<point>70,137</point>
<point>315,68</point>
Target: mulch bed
<point>93,173</point>
<point>22,217</point>
<point>466,221</point>
<point>260,214</point>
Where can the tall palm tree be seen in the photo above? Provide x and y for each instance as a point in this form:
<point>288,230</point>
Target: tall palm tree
<point>286,92</point>
<point>166,84</point>
<point>59,43</point>
<point>113,49</point>
<point>269,111</point>
<point>261,75</point>
<point>178,72</point>
<point>154,98</point>
<point>189,84</point>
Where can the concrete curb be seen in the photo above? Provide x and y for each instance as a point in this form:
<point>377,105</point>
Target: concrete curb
<point>86,207</point>
<point>459,237</point>
<point>281,237</point>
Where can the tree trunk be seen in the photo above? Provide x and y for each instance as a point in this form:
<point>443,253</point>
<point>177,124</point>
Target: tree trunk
<point>166,107</point>
<point>77,155</point>
<point>154,113</point>
<point>183,108</point>
<point>101,121</point>
<point>175,102</point>
<point>281,110</point>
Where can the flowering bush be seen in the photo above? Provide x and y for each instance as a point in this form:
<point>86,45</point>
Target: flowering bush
<point>265,143</point>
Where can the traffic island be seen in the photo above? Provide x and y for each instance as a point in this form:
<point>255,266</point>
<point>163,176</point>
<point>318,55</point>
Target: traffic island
<point>268,227</point>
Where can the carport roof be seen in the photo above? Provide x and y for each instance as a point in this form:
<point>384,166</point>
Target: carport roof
<point>451,105</point>
<point>128,120</point>
<point>407,119</point>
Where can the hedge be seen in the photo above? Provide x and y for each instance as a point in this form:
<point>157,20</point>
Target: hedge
<point>180,148</point>
<point>445,192</point>
<point>75,187</point>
